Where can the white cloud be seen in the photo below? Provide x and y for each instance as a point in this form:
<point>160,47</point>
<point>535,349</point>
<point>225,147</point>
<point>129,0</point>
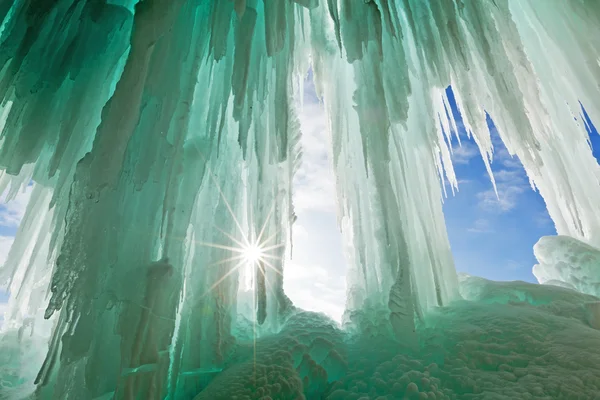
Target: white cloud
<point>315,288</point>
<point>512,162</point>
<point>511,182</point>
<point>509,176</point>
<point>295,271</point>
<point>507,199</point>
<point>315,278</point>
<point>481,225</point>
<point>314,185</point>
<point>462,154</point>
<point>300,231</point>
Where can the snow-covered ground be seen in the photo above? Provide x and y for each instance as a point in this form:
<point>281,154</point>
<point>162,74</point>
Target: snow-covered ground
<point>506,340</point>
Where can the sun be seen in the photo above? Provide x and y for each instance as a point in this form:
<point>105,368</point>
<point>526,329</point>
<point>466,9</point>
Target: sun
<point>253,253</point>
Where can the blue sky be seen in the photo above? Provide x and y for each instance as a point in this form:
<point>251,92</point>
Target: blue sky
<point>490,237</point>
<point>493,235</point>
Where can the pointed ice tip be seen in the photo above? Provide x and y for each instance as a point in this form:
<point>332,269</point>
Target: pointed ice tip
<point>495,188</point>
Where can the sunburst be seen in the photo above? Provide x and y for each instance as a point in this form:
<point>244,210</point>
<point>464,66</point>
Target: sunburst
<point>251,254</point>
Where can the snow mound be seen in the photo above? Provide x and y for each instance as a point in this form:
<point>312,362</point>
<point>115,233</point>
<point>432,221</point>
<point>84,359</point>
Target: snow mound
<point>563,259</point>
<point>507,340</point>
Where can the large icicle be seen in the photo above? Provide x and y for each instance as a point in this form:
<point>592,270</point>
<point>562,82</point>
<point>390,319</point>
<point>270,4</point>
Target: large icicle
<point>492,53</point>
<point>119,274</point>
<point>385,156</point>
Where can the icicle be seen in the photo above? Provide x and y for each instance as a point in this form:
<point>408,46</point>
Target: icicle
<point>385,273</point>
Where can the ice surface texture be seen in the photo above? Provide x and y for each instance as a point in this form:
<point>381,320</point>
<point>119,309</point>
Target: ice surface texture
<point>154,128</point>
<point>511,340</point>
<point>565,259</point>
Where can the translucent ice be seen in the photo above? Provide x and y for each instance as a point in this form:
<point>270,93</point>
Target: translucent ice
<point>163,137</point>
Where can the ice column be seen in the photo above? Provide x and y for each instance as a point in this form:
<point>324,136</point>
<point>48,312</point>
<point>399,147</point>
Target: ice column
<point>194,156</point>
<point>385,155</point>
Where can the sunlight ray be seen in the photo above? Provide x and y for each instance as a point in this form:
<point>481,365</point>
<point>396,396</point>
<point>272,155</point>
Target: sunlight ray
<point>226,260</point>
<point>268,284</point>
<point>231,211</point>
<point>262,230</point>
<point>275,269</point>
<point>267,240</point>
<point>231,237</point>
<point>220,246</point>
<point>271,256</point>
<point>275,246</point>
<point>234,269</point>
<point>214,179</point>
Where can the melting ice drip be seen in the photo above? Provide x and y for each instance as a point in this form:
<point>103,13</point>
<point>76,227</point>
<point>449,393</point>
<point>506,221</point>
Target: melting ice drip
<point>122,115</point>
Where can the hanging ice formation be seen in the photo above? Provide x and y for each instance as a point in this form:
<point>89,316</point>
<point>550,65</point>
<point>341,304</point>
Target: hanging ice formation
<point>152,129</point>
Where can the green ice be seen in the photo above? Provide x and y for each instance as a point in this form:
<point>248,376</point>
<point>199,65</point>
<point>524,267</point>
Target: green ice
<point>162,138</point>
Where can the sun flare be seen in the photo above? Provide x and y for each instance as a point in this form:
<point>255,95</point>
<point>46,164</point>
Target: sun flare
<point>253,253</point>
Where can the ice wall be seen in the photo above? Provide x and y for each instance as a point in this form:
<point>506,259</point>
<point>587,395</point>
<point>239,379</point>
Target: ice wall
<point>147,183</point>
<point>400,260</point>
<point>529,65</point>
<point>526,64</point>
<point>163,136</point>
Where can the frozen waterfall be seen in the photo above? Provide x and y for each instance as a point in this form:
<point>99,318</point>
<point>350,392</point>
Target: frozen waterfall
<point>162,137</point>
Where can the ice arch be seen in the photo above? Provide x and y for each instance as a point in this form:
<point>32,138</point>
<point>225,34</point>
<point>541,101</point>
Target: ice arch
<point>155,129</point>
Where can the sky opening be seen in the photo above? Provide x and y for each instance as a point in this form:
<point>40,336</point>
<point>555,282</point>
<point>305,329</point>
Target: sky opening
<point>315,277</point>
<point>490,236</point>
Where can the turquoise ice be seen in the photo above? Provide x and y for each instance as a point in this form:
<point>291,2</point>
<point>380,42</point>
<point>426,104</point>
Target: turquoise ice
<point>163,137</point>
